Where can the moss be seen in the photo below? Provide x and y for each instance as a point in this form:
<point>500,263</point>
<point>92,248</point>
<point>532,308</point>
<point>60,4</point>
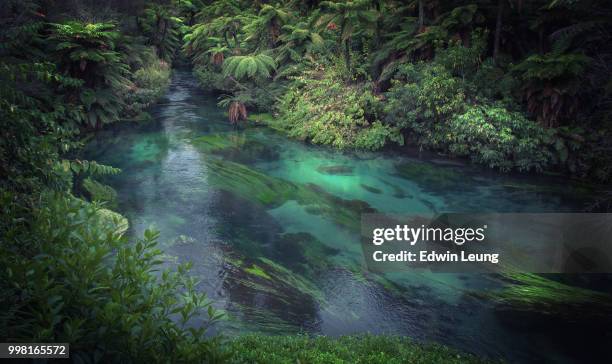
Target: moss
<point>369,349</point>
<point>257,271</point>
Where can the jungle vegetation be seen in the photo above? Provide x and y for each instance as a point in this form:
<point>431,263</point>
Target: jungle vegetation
<point>510,84</point>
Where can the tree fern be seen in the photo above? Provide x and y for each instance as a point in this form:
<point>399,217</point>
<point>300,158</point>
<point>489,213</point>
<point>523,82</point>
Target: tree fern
<point>251,66</point>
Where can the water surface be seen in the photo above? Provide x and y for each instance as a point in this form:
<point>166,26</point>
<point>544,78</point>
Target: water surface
<point>269,224</point>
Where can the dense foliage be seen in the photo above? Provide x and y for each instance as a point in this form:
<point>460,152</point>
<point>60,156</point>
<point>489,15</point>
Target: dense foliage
<point>511,85</point>
<point>68,273</point>
<point>508,84</point>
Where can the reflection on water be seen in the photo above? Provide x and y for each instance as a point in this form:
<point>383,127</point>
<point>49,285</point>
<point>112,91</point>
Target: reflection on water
<point>271,226</point>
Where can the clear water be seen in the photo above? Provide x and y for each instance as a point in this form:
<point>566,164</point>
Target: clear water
<point>284,265</point>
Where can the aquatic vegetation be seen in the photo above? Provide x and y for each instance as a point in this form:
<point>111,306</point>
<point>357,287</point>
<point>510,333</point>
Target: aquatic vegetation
<point>346,349</point>
<point>257,271</point>
<point>236,147</point>
<point>302,252</point>
<point>339,170</point>
<point>269,191</point>
<point>248,278</point>
<point>398,192</point>
<point>430,177</point>
<point>149,149</point>
<point>533,294</point>
<point>370,188</point>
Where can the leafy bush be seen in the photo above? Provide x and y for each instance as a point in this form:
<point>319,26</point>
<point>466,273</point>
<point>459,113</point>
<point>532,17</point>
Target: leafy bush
<point>497,138</point>
<point>210,78</point>
<point>463,61</point>
<point>422,96</point>
<point>324,110</point>
<point>432,107</point>
<point>100,192</point>
<point>151,82</point>
<point>69,275</point>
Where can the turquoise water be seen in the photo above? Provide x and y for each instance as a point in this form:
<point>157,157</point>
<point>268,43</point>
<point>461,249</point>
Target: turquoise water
<point>271,226</point>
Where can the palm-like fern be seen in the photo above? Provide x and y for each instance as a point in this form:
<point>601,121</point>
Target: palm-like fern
<point>265,28</point>
<point>87,52</point>
<point>298,40</point>
<point>552,82</point>
<point>350,17</point>
<point>251,66</point>
<point>162,29</point>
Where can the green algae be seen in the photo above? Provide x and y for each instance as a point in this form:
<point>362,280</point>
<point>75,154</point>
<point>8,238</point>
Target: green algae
<point>257,271</point>
<point>214,142</point>
<point>398,192</point>
<point>235,147</point>
<point>149,148</point>
<point>336,170</point>
<point>302,252</point>
<point>371,189</point>
<point>528,293</point>
<point>290,279</point>
<point>433,177</point>
<point>271,192</point>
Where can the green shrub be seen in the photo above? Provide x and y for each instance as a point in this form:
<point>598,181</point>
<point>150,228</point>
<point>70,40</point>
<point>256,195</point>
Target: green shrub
<point>325,110</point>
<point>100,192</point>
<point>69,275</point>
<point>431,106</point>
<point>151,82</point>
<point>423,94</point>
<point>498,138</point>
<point>211,79</point>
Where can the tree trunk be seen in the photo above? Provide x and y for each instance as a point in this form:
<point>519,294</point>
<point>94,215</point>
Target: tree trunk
<point>421,15</point>
<point>347,54</point>
<point>498,26</point>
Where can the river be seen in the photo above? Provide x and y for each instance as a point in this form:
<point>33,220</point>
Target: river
<point>269,224</point>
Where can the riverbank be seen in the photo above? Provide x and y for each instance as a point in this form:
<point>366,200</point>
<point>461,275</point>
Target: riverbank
<point>348,349</point>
